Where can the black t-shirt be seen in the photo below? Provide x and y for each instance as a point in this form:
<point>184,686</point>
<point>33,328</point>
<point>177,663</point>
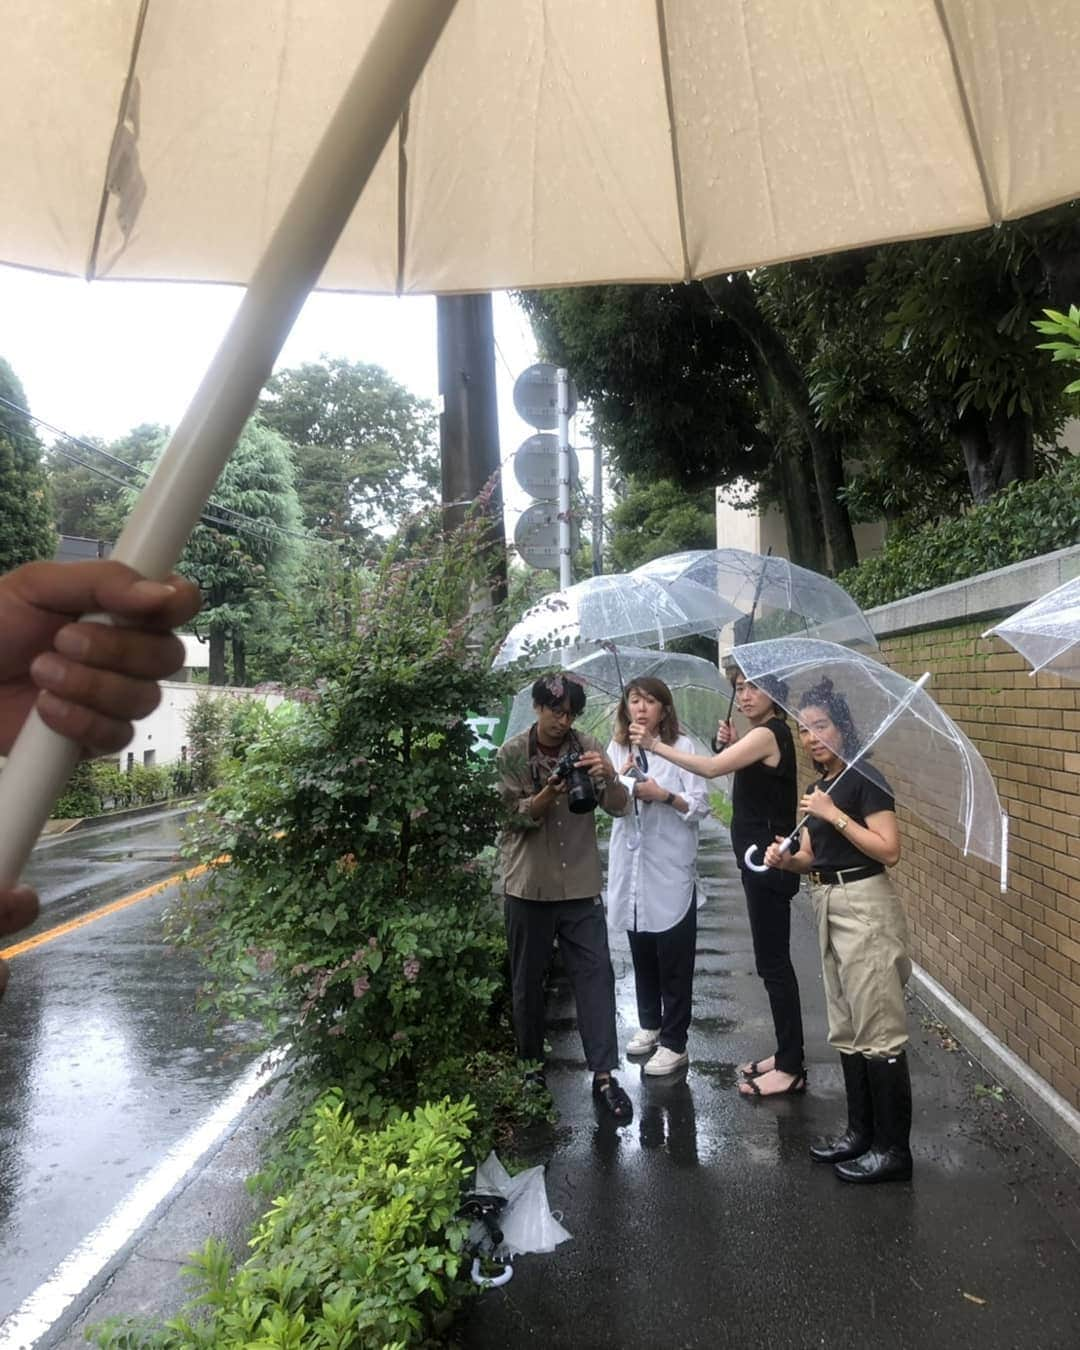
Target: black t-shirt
<point>763,804</point>
<point>858,797</point>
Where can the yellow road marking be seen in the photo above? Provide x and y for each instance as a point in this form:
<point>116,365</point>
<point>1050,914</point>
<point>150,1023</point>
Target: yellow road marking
<point>6,953</point>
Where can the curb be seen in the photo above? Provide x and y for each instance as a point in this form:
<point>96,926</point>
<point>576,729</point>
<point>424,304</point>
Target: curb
<point>1057,1117</point>
<point>113,817</point>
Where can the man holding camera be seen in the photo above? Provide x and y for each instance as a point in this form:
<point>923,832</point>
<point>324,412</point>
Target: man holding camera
<point>553,778</point>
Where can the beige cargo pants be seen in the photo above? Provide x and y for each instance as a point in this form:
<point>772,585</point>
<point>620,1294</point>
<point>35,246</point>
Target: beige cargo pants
<point>865,962</point>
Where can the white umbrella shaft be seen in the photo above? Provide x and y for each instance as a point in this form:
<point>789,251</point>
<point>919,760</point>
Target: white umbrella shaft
<point>169,507</point>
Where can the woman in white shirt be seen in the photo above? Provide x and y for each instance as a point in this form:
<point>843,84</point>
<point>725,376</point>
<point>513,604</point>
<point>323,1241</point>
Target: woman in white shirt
<point>652,873</point>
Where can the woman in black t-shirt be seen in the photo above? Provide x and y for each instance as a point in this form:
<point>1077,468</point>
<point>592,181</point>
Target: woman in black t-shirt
<point>763,762</point>
<point>850,839</point>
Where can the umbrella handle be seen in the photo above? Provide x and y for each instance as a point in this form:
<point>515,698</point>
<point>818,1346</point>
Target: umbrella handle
<point>748,856</point>
<point>169,506</point>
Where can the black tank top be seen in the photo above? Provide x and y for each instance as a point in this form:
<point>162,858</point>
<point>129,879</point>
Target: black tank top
<point>763,803</point>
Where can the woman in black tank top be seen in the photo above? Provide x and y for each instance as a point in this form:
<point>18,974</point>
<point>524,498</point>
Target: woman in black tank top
<point>763,762</point>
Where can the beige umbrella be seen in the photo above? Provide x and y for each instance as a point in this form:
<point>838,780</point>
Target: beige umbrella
<point>547,142</point>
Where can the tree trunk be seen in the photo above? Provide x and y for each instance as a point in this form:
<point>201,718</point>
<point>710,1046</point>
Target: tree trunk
<point>735,296</point>
<point>239,660</point>
<point>806,540</point>
<point>998,450</point>
<point>216,673</point>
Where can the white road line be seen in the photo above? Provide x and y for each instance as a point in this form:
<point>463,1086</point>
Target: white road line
<point>41,1309</point>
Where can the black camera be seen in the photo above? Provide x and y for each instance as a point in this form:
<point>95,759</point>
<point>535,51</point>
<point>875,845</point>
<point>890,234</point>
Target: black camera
<point>580,796</point>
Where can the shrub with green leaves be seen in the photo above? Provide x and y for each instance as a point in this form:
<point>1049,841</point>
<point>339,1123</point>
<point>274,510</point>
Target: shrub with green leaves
<point>355,917</point>
<point>1023,521</point>
<point>361,1250</point>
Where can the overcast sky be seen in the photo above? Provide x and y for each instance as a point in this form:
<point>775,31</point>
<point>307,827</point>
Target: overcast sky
<point>97,359</point>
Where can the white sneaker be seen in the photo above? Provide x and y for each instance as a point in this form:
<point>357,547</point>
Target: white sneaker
<point>642,1041</point>
<point>666,1061</point>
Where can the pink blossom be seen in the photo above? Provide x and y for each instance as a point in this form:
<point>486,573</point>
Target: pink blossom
<point>411,969</point>
<point>360,986</point>
<point>398,1036</point>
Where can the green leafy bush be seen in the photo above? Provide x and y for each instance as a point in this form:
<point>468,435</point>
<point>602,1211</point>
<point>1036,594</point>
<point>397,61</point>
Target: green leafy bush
<point>362,1250</point>
<point>80,797</point>
<point>207,725</point>
<point>355,910</point>
<point>1024,521</point>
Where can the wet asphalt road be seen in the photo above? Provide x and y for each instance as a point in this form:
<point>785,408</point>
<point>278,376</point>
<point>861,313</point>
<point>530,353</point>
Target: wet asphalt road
<point>104,1064</point>
<point>703,1223</point>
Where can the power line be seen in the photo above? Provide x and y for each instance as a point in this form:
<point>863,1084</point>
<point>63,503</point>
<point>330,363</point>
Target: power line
<point>225,516</point>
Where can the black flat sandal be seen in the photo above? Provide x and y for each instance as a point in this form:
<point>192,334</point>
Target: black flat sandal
<point>608,1092</point>
<point>792,1089</point>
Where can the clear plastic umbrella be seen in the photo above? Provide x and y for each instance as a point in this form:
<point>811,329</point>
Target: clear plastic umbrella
<point>699,690</point>
<point>899,738</point>
<point>784,599</point>
<point>1046,633</point>
<point>623,608</point>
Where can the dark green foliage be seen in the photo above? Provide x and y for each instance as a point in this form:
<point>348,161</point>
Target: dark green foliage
<point>1021,522</point>
<point>26,528</point>
<point>207,726</point>
<point>360,1250</point>
<point>355,908</point>
<point>658,518</point>
<point>101,785</point>
<point>669,380</point>
<point>364,447</point>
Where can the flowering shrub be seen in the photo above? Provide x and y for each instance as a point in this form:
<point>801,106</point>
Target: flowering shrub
<point>354,910</point>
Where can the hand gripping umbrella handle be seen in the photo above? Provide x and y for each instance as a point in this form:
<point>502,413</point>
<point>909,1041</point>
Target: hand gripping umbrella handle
<point>789,842</point>
<point>172,501</point>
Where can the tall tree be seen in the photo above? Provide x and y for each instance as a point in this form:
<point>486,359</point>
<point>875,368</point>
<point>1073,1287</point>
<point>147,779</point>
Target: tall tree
<point>365,447</point>
<point>655,518</point>
<point>237,561</point>
<point>91,490</point>
<point>26,528</point>
<point>679,392</point>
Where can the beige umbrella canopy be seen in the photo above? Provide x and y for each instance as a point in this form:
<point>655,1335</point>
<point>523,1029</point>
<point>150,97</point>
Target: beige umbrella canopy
<point>548,142</point>
<point>545,142</point>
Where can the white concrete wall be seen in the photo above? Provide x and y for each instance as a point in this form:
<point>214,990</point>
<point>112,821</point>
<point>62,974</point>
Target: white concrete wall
<point>164,732</point>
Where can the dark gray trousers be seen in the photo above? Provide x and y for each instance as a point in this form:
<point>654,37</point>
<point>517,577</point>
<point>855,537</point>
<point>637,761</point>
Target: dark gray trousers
<point>581,927</point>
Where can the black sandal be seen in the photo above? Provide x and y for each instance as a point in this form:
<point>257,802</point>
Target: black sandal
<point>752,1070</point>
<point>793,1088</point>
<point>611,1095</point>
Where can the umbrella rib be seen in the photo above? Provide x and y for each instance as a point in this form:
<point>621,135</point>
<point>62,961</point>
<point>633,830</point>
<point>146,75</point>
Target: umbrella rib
<point>665,65</point>
<point>993,210</point>
<point>403,170</point>
<point>99,226</point>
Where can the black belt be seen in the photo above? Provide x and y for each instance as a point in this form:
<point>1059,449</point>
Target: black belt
<point>825,878</point>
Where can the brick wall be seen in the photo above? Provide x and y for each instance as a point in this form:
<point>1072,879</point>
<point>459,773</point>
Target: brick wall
<point>1012,959</point>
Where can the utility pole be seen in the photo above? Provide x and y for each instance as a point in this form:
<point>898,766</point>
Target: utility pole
<point>469,425</point>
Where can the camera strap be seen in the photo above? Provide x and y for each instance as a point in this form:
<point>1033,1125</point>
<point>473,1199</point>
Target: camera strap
<point>534,754</point>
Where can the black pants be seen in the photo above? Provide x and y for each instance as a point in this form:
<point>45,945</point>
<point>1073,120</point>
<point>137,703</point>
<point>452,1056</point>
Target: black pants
<point>664,978</point>
<point>581,927</point>
<point>770,925</point>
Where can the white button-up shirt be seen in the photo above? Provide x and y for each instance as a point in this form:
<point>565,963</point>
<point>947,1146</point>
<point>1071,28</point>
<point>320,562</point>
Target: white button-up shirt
<point>650,888</point>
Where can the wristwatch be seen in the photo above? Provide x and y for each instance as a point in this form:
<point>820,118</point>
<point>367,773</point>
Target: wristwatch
<point>670,799</point>
<point>841,823</point>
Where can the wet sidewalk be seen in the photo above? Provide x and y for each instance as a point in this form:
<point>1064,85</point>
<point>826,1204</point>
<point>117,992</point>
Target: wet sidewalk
<point>704,1223</point>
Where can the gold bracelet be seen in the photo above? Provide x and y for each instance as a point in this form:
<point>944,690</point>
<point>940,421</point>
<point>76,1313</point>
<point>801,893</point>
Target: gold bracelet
<point>841,823</point>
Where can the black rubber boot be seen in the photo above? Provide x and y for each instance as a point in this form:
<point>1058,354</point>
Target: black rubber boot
<point>890,1157</point>
<point>859,1134</point>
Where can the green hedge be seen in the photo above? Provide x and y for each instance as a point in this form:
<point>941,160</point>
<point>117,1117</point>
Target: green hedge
<point>101,785</point>
<point>1024,521</point>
